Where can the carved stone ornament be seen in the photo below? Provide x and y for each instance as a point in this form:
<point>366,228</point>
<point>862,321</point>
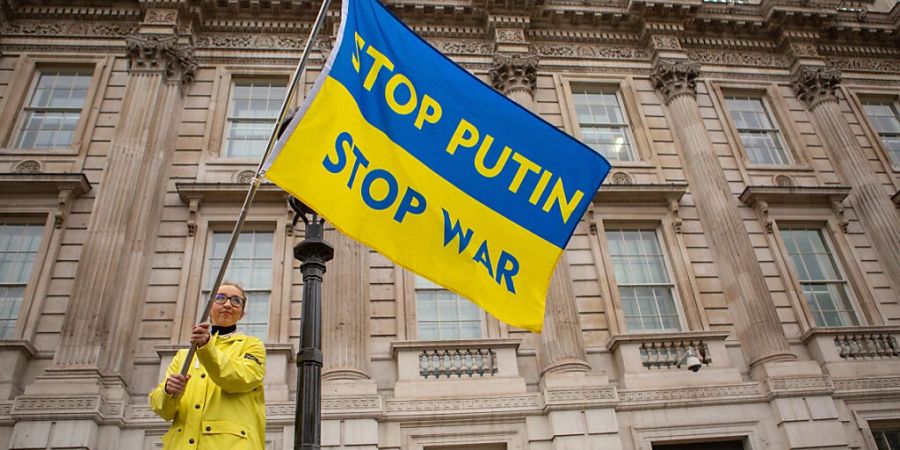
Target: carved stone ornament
<point>665,42</point>
<point>784,181</point>
<point>244,176</point>
<point>28,166</point>
<point>514,72</point>
<point>166,16</point>
<point>620,178</point>
<point>814,85</point>
<point>673,78</point>
<point>154,53</point>
<point>509,35</point>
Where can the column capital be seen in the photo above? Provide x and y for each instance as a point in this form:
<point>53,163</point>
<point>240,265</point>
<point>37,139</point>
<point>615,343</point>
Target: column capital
<point>162,54</point>
<point>816,84</point>
<point>514,72</point>
<point>675,77</point>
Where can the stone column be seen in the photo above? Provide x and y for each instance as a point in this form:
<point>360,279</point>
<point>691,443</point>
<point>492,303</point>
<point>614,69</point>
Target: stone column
<point>562,345</point>
<point>752,308</point>
<point>816,86</point>
<point>345,311</point>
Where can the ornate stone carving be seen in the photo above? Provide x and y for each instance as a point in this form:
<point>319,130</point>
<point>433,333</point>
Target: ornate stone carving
<point>837,207</point>
<point>154,53</point>
<point>351,404</point>
<point>569,396</point>
<point>784,181</point>
<point>28,166</point>
<point>762,210</point>
<point>60,29</point>
<point>801,50</point>
<point>514,72</point>
<point>453,406</point>
<point>462,47</point>
<point>244,176</point>
<point>732,58</point>
<point>590,51</point>
<point>705,394</point>
<point>509,35</point>
<point>665,42</point>
<point>891,66</point>
<point>673,78</point>
<point>814,85</point>
<point>253,41</point>
<point>621,178</point>
<point>164,16</point>
<point>795,386</point>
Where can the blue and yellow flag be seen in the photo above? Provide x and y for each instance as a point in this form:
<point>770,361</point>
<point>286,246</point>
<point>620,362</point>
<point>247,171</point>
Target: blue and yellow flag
<point>405,151</point>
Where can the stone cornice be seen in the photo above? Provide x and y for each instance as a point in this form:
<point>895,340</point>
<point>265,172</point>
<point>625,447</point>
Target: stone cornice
<point>794,195</point>
<point>35,184</point>
<point>644,194</point>
<point>228,193</point>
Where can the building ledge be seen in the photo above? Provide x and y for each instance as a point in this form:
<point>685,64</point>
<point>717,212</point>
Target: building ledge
<point>32,184</point>
<point>794,195</point>
<point>652,194</point>
<point>228,193</point>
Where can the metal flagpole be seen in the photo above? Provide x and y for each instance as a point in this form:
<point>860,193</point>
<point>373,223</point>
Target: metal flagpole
<point>257,179</point>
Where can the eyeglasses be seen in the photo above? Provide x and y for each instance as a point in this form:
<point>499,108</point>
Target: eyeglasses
<point>235,300</point>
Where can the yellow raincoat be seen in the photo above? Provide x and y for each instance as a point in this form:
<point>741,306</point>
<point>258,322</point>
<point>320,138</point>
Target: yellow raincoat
<point>223,406</point>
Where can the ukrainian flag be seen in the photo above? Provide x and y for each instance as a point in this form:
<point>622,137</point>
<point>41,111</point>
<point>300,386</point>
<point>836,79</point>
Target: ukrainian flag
<point>405,151</point>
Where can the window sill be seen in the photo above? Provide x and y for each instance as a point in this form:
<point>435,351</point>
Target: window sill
<point>62,151</point>
<point>226,161</point>
<point>777,168</point>
<point>18,345</point>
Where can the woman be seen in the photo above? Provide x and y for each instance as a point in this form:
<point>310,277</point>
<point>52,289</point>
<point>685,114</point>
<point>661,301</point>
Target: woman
<point>220,403</point>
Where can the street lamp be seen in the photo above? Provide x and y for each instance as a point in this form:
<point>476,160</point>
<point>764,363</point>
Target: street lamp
<point>313,252</point>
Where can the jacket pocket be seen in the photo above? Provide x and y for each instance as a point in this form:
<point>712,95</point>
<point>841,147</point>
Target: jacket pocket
<point>226,434</point>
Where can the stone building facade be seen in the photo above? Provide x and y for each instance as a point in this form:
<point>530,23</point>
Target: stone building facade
<point>751,219</point>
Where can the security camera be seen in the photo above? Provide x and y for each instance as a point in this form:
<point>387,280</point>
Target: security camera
<point>691,360</point>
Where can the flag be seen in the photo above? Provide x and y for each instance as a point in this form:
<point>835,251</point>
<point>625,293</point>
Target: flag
<point>402,149</point>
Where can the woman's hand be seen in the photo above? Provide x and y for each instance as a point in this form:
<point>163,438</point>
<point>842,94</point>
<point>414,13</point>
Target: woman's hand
<point>175,383</point>
<point>200,334</point>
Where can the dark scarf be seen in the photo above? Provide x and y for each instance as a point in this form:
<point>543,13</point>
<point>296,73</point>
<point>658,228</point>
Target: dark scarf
<point>221,331</point>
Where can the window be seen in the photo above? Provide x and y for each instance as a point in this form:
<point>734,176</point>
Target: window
<point>886,437</point>
<point>444,315</point>
<point>603,126</point>
<point>760,136</point>
<point>823,283</point>
<point>19,245</point>
<point>642,276</point>
<point>732,445</point>
<point>251,266</point>
<point>252,113</point>
<point>885,118</point>
<point>53,109</point>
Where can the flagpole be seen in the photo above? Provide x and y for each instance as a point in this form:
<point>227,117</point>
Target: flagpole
<point>257,178</point>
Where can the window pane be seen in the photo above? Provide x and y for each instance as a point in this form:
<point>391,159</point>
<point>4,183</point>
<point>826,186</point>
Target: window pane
<point>442,314</point>
<point>250,266</point>
<point>54,108</point>
<point>823,284</point>
<point>254,109</point>
<point>645,289</point>
<point>602,123</point>
<point>19,244</point>
<point>885,118</point>
<point>758,132</point>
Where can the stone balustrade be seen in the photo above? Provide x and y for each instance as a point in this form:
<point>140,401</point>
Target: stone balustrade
<point>849,352</point>
<point>667,353</point>
<point>470,366</point>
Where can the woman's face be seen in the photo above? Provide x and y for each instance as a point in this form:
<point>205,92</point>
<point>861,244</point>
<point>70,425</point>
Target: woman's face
<point>226,314</point>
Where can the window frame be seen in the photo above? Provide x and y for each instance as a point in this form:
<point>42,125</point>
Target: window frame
<point>861,298</point>
<point>481,312</point>
<point>775,129</point>
<point>616,91</point>
<point>875,425</point>
<point>220,109</point>
<point>777,110</point>
<point>657,226</point>
<point>220,218</point>
<point>21,89</point>
<point>798,283</point>
<point>491,328</point>
<point>642,146</point>
<point>226,229</point>
<point>229,111</point>
<point>29,308</point>
<point>859,98</point>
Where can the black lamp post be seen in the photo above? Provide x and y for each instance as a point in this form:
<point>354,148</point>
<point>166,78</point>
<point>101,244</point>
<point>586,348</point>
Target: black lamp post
<point>313,252</point>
